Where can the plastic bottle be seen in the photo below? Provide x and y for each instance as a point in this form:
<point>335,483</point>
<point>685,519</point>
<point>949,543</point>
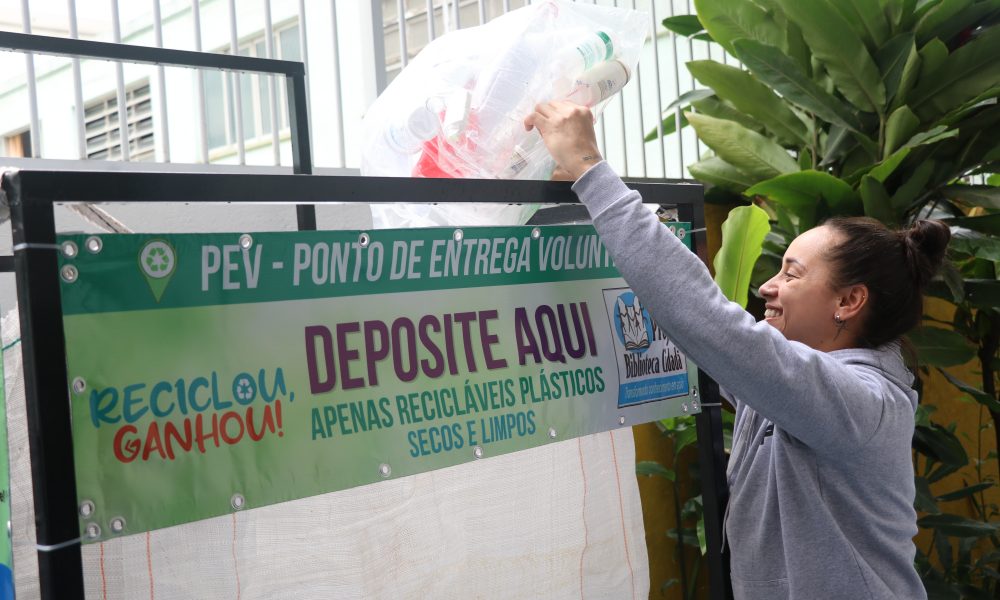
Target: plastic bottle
<point>600,83</point>
<point>394,150</point>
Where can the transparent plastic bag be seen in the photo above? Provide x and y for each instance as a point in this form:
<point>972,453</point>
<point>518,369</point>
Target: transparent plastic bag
<point>457,109</point>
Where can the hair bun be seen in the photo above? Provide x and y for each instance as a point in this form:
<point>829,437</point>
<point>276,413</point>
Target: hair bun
<point>925,243</point>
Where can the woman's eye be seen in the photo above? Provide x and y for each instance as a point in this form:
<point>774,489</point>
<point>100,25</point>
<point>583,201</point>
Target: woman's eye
<point>789,276</point>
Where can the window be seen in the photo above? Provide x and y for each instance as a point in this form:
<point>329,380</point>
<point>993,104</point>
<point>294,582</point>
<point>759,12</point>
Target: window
<point>18,145</point>
<point>102,131</point>
<point>255,97</point>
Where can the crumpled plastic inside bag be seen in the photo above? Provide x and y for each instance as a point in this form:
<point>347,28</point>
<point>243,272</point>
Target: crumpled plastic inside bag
<point>457,109</point>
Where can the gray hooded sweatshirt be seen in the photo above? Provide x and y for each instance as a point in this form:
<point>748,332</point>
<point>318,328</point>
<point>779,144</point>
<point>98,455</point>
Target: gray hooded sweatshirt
<point>821,478</point>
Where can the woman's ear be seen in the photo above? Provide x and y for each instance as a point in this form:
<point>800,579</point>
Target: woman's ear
<point>852,300</point>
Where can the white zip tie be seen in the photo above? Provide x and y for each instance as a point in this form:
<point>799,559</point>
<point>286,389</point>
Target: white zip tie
<point>60,546</point>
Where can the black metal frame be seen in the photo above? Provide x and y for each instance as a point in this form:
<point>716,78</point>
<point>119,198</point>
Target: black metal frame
<point>32,195</point>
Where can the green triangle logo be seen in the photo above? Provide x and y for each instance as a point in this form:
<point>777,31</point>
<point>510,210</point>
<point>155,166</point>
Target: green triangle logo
<point>157,262</point>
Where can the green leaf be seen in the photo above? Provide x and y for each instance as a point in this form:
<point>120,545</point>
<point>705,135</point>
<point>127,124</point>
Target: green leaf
<point>882,170</point>
<point>993,180</point>
<point>989,224</point>
<point>651,467</point>
<point>932,136</point>
<point>986,247</point>
<point>963,75</point>
<point>902,124</point>
<point>929,23</point>
<point>938,347</point>
<point>685,25</point>
<point>924,499</point>
<point>978,395</point>
<point>968,18</point>
<point>956,526</point>
<point>722,109</point>
<point>952,277</point>
<point>728,21</point>
<point>752,97</point>
<point>718,172</point>
<point>908,78</point>
<point>834,42</point>
<point>965,492</point>
<point>979,293</point>
<point>891,59</point>
<point>941,445</point>
<point>752,153</point>
<point>876,200</point>
<point>668,126</point>
<point>801,192</point>
<point>986,196</point>
<point>743,233</point>
<point>867,19</point>
<point>913,185</point>
<point>775,69</point>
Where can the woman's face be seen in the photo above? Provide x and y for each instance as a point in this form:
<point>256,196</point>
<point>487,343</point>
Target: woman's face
<point>799,300</point>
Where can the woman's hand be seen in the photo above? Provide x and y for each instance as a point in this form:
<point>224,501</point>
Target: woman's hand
<point>568,132</point>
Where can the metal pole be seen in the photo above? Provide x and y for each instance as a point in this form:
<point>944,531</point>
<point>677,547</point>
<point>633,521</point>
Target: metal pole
<point>677,111</point>
<point>200,83</point>
<point>401,25</point>
<point>338,99</point>
<point>116,26</point>
<point>272,92</point>
<point>430,21</point>
<point>711,447</point>
<point>298,120</point>
<point>373,62</point>
<point>29,65</point>
<point>642,120</point>
<point>304,51</point>
<point>162,84</point>
<point>659,99</point>
<point>57,528</point>
<point>81,135</point>
<point>234,49</point>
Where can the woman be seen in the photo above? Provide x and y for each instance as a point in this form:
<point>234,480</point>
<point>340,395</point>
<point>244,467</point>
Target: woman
<point>820,476</point>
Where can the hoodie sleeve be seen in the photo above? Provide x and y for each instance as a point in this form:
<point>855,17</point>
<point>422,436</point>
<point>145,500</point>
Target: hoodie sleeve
<point>824,403</point>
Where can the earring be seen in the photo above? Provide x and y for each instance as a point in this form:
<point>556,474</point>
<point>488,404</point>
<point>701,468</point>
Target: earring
<point>837,319</point>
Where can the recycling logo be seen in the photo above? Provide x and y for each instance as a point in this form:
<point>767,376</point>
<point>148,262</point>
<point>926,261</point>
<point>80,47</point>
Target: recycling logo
<point>157,261</point>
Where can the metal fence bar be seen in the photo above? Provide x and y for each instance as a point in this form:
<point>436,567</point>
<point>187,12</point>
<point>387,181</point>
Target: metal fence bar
<point>60,46</point>
<point>81,135</point>
<point>200,84</point>
<point>677,90</point>
<point>642,120</point>
<point>338,106</point>
<point>234,49</point>
<point>697,143</point>
<point>482,12</point>
<point>271,91</point>
<point>161,82</point>
<point>116,27</point>
<point>29,66</point>
<point>430,21</point>
<point>304,51</point>
<point>659,98</point>
<point>373,67</point>
<point>401,29</point>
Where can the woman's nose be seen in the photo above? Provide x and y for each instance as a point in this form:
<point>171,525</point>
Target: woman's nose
<point>769,288</point>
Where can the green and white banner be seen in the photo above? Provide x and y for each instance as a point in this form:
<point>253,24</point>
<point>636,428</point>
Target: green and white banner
<point>218,372</point>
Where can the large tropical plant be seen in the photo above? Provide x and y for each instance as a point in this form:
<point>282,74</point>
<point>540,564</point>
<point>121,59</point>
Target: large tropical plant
<point>883,108</point>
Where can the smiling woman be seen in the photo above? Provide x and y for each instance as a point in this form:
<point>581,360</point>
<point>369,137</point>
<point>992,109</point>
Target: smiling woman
<point>822,488</point>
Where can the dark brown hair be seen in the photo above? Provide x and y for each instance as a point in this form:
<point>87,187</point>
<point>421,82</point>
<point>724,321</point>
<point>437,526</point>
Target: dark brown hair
<point>895,266</point>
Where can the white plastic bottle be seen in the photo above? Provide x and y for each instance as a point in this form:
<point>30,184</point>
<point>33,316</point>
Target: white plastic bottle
<point>600,83</point>
<point>394,150</point>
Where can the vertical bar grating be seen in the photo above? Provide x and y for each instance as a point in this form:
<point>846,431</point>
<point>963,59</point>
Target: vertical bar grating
<point>271,91</point>
<point>29,65</point>
<point>482,12</point>
<point>304,52</point>
<point>430,21</point>
<point>81,135</point>
<point>338,98</point>
<point>234,49</point>
<point>200,85</point>
<point>659,97</point>
<point>697,143</point>
<point>677,111</point>
<point>621,106</point>
<point>162,83</point>
<point>116,26</point>
<point>401,25</point>
<point>642,120</point>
